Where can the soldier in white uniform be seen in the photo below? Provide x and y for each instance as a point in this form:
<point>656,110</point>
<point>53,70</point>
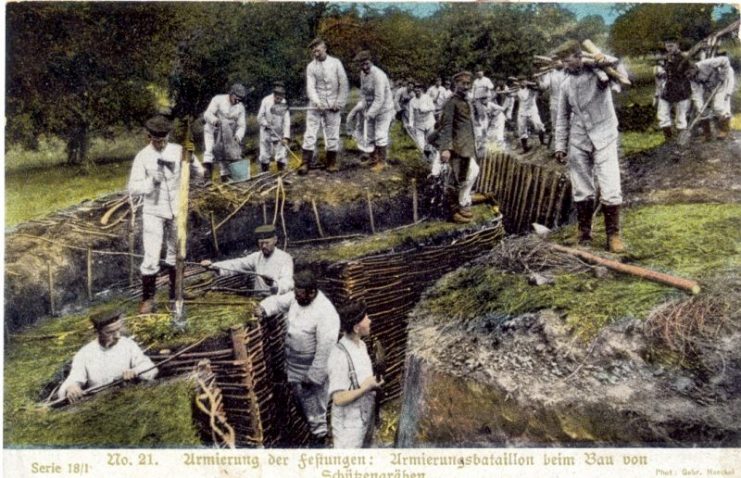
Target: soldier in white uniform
<point>357,127</point>
<point>481,92</point>
<point>375,88</point>
<point>705,76</point>
<point>496,114</point>
<point>587,127</point>
<point>327,88</point>
<point>352,384</point>
<point>273,268</point>
<point>107,358</point>
<point>551,82</point>
<point>438,94</point>
<point>225,120</point>
<point>275,129</point>
<point>527,113</point>
<point>155,175</point>
<point>313,327</point>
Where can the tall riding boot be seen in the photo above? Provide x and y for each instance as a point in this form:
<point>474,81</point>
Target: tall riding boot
<point>264,167</point>
<point>379,162</point>
<point>667,132</point>
<point>724,128</point>
<point>612,227</point>
<point>208,173</point>
<point>281,166</point>
<point>541,137</point>
<point>707,130</point>
<point>525,147</point>
<point>584,212</point>
<point>149,287</point>
<point>171,275</point>
<point>306,155</point>
<point>332,166</point>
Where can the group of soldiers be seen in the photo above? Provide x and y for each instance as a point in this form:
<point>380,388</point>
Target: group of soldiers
<point>448,126</point>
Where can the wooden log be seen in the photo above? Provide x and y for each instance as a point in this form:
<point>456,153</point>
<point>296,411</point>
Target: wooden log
<point>316,218</point>
<point>89,261</point>
<point>687,285</point>
<point>370,212</point>
<point>611,72</point>
<point>415,201</point>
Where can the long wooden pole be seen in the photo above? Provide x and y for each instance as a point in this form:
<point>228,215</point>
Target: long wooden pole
<point>687,285</point>
<point>182,222</point>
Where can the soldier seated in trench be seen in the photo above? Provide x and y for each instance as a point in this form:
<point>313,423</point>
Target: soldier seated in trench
<point>107,358</point>
<point>272,267</point>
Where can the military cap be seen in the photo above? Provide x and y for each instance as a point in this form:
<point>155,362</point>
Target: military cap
<point>461,74</point>
<point>351,313</point>
<point>671,37</point>
<point>304,279</point>
<point>566,49</point>
<point>279,83</point>
<point>362,55</point>
<point>158,126</point>
<point>279,90</point>
<point>238,90</point>
<point>101,319</point>
<point>315,42</point>
<point>265,232</point>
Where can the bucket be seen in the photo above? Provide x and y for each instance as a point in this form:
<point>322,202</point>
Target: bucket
<point>240,170</point>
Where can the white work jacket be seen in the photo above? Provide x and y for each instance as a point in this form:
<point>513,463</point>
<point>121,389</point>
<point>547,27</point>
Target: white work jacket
<point>326,83</point>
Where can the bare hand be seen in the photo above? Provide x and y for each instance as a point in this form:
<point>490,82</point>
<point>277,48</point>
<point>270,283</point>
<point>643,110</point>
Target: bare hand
<point>128,375</point>
<point>258,311</point>
<point>371,383</point>
<point>74,393</point>
<point>285,141</point>
<point>560,157</point>
<point>206,263</point>
<point>445,156</point>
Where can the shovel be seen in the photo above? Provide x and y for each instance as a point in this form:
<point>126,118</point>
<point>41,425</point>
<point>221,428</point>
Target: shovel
<point>686,134</point>
<point>178,314</point>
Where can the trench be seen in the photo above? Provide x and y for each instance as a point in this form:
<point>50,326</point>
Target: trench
<point>391,281</point>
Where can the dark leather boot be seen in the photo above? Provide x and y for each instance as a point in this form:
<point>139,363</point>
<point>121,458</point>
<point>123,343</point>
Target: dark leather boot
<point>149,287</point>
<point>584,212</point>
<point>541,137</point>
<point>332,166</point>
<point>612,227</point>
<point>264,167</point>
<point>525,147</point>
<point>306,155</point>
<point>208,173</point>
<point>724,128</point>
<point>379,162</point>
<point>707,130</point>
<point>667,132</point>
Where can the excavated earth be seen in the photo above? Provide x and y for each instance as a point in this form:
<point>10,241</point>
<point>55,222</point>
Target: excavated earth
<point>497,379</point>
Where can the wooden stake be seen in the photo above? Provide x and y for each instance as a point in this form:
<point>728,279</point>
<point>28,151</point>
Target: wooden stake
<point>541,190</point>
<point>316,218</point>
<point>213,233</point>
<point>370,212</point>
<point>264,213</point>
<point>132,226</point>
<point>239,337</point>
<point>551,198</point>
<point>50,278</point>
<point>89,274</point>
<point>415,201</point>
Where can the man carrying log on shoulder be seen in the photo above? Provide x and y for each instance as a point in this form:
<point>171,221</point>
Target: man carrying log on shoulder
<point>272,267</point>
<point>107,358</point>
<point>586,127</point>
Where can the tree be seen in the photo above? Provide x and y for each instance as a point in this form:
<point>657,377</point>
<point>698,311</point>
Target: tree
<point>641,28</point>
<point>74,70</point>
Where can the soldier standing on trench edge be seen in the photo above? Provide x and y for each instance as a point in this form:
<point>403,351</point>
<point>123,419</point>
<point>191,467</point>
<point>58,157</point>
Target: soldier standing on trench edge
<point>587,127</point>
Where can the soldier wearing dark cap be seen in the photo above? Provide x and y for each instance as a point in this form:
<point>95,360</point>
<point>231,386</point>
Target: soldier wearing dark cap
<point>107,358</point>
<point>587,134</point>
<point>676,90</point>
<point>352,383</point>
<point>273,266</point>
<point>224,129</point>
<point>155,175</point>
<point>313,327</point>
<point>379,101</point>
<point>275,129</point>
<point>457,146</point>
<point>327,89</point>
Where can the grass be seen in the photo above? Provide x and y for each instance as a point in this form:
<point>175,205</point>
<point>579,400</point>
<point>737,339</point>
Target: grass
<point>633,142</point>
<point>698,241</point>
<point>157,414</point>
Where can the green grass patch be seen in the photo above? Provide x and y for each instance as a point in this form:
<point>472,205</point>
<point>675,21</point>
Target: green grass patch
<point>145,415</point>
<point>698,241</point>
<point>633,142</point>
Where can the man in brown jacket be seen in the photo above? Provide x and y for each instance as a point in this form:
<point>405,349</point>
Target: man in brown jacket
<point>457,144</point>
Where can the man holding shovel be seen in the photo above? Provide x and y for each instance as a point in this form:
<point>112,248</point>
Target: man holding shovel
<point>586,127</point>
<point>275,129</point>
<point>224,130</point>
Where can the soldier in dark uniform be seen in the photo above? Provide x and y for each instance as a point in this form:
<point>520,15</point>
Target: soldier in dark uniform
<point>676,91</point>
<point>457,145</point>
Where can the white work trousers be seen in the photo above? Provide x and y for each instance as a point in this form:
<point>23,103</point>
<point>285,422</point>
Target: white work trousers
<point>495,132</point>
<point>270,149</point>
<point>530,119</point>
<point>602,165</point>
<point>154,230</point>
<point>329,122</point>
<point>664,113</point>
<point>378,129</point>
<point>313,401</point>
<point>465,185</point>
<point>209,134</point>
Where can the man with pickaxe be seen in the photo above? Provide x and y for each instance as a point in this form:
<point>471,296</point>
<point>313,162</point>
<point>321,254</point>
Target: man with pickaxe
<point>155,175</point>
<point>272,267</point>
